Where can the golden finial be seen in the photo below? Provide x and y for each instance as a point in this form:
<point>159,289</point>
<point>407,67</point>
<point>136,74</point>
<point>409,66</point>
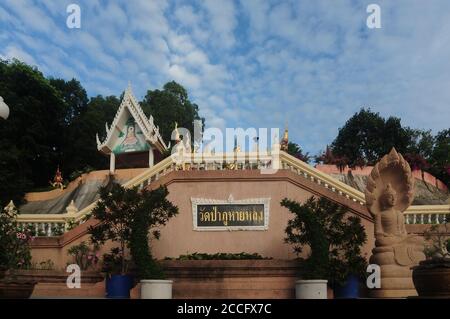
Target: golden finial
<point>285,141</point>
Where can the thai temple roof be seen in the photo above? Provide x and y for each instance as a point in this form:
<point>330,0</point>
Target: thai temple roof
<point>130,106</point>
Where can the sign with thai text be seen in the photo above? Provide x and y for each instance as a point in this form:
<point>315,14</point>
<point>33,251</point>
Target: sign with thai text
<point>248,214</point>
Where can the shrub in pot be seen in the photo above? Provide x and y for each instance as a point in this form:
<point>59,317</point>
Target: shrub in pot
<point>155,211</point>
<point>115,212</point>
<point>125,214</point>
<point>14,255</point>
<point>432,276</point>
<point>334,240</point>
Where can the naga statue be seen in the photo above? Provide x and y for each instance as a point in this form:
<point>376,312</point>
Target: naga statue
<point>389,192</point>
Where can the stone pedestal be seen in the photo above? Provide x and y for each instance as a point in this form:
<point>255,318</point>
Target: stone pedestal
<point>396,264</point>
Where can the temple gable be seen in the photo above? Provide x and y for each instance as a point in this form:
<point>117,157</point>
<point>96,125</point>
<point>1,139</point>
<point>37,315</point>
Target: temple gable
<point>131,133</point>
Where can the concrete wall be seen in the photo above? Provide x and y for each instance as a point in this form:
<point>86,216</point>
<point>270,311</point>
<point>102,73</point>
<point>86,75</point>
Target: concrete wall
<point>178,236</point>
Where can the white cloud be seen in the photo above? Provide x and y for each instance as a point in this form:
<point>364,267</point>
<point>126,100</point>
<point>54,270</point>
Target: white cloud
<point>222,18</point>
<point>13,52</point>
<point>250,63</point>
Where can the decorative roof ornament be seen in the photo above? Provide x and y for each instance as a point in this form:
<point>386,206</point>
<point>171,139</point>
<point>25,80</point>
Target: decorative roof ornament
<point>285,140</point>
<point>71,209</point>
<point>10,208</point>
<point>58,181</point>
<point>4,109</point>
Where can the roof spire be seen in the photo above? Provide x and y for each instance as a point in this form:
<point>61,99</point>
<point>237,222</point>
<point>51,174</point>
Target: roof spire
<point>285,140</point>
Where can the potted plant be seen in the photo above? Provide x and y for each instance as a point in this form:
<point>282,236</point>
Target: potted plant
<point>14,255</point>
<point>153,211</point>
<point>334,240</point>
<point>115,213</point>
<point>432,276</point>
<point>126,215</point>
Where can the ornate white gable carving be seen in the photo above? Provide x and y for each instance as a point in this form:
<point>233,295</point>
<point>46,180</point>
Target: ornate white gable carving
<point>147,126</point>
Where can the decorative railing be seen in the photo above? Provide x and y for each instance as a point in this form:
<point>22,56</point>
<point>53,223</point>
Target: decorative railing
<point>428,214</point>
<point>301,168</point>
<point>55,224</point>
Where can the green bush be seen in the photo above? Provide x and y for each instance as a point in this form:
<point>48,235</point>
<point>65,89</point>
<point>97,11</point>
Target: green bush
<point>126,216</point>
<point>219,256</point>
<point>84,256</point>
<point>335,239</point>
<point>155,211</point>
<point>14,242</point>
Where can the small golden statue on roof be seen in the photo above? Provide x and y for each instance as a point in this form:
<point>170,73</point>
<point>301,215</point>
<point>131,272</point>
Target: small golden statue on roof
<point>285,140</point>
<point>58,181</point>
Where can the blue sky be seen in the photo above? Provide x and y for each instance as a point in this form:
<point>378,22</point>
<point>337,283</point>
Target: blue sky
<point>250,63</point>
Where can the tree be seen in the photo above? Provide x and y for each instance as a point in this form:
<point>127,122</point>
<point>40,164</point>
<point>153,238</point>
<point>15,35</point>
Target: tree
<point>440,157</point>
<point>74,97</point>
<point>118,211</point>
<point>334,238</point>
<point>366,137</point>
<point>156,211</point>
<point>329,158</point>
<point>295,150</point>
<point>32,137</point>
<point>171,105</point>
<point>80,148</point>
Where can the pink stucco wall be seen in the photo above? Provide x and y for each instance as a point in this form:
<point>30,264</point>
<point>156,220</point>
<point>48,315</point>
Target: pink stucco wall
<point>178,236</point>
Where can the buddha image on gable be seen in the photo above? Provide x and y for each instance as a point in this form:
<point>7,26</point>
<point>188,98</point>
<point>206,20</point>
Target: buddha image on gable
<point>132,139</point>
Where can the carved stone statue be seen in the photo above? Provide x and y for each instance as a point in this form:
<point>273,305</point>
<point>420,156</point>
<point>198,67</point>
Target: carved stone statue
<point>389,192</point>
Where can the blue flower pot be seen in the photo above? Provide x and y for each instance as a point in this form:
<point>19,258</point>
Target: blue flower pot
<point>119,286</point>
<point>350,290</point>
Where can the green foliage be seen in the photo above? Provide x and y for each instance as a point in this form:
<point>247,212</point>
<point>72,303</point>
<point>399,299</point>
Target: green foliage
<point>295,150</point>
<point>438,241</point>
<point>74,97</point>
<point>43,265</point>
<point>220,256</point>
<point>125,216</point>
<point>80,172</point>
<point>367,136</point>
<point>14,243</point>
<point>171,105</point>
<point>115,262</point>
<point>32,137</point>
<point>80,150</point>
<point>334,238</point>
<point>440,157</point>
<point>155,211</point>
<point>53,122</point>
<point>84,256</point>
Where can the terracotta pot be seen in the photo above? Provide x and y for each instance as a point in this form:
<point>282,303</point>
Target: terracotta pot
<point>432,279</point>
<point>16,289</point>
